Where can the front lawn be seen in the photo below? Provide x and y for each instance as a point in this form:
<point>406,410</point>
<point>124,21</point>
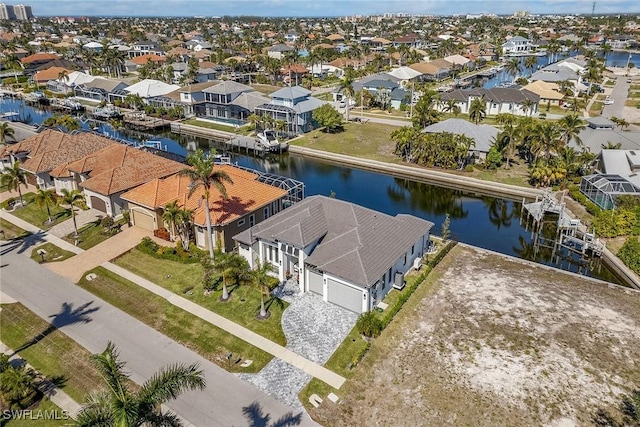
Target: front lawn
<point>52,253</point>
<point>189,330</point>
<point>186,280</point>
<point>36,215</point>
<point>91,234</point>
<point>243,130</point>
<point>54,355</point>
<point>10,231</point>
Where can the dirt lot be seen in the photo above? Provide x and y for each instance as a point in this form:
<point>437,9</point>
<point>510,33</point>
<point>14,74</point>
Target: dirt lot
<point>490,341</point>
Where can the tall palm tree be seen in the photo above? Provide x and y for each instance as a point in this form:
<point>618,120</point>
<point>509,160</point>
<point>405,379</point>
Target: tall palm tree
<point>11,62</point>
<point>264,282</point>
<point>530,62</point>
<point>171,217</point>
<point>13,177</point>
<point>477,110</point>
<point>118,405</point>
<point>527,106</point>
<point>5,131</point>
<point>513,67</point>
<point>346,86</point>
<point>571,126</point>
<point>72,199</point>
<point>203,174</point>
<point>46,198</point>
<point>226,265</point>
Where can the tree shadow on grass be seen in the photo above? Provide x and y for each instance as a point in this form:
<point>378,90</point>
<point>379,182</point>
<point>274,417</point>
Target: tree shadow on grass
<point>257,418</point>
<point>67,316</point>
<point>22,243</point>
<point>273,300</point>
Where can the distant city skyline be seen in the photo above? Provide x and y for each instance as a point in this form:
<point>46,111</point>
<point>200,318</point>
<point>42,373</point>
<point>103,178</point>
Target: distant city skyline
<point>307,8</point>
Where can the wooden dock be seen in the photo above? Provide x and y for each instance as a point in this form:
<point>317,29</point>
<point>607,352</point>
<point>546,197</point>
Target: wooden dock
<point>143,122</point>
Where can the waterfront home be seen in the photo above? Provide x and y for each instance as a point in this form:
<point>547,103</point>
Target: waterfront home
<point>548,92</point>
<point>49,149</point>
<point>99,89</point>
<point>187,97</point>
<point>294,105</point>
<point>248,203</point>
<point>601,130</point>
<point>484,136</point>
<point>68,83</point>
<point>515,101</point>
<point>31,62</point>
<point>618,176</point>
<point>433,70</point>
<point>145,47</point>
<point>45,76</point>
<point>136,62</point>
<point>517,46</point>
<point>106,174</point>
<point>146,89</point>
<point>349,255</point>
<point>229,102</point>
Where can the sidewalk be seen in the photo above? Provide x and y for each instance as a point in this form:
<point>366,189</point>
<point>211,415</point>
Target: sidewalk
<point>57,396</point>
<point>74,267</point>
<point>313,369</point>
<point>43,235</point>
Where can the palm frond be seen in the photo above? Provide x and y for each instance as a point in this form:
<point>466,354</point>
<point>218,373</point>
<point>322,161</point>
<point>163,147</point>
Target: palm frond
<point>96,412</point>
<point>111,369</point>
<point>170,382</point>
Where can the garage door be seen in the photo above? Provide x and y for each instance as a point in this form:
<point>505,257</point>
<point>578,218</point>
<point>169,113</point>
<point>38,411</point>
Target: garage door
<point>143,220</point>
<point>99,204</point>
<point>344,296</point>
<point>314,279</point>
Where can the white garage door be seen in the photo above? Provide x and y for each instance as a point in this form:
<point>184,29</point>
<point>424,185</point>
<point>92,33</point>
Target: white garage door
<point>314,279</point>
<point>143,220</point>
<point>344,296</point>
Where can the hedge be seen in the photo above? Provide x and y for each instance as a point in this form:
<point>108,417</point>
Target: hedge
<point>592,208</point>
<point>178,254</point>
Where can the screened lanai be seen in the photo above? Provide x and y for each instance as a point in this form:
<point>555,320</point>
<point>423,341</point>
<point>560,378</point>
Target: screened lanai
<point>602,189</point>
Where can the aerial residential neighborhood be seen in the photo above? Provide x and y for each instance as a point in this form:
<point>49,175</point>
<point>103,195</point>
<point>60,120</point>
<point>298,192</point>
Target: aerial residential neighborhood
<point>342,214</point>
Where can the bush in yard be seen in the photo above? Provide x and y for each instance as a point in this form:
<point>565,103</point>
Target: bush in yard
<point>630,253</point>
<point>369,325</point>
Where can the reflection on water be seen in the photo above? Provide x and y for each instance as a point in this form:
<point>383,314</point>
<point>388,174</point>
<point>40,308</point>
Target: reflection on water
<point>486,222</point>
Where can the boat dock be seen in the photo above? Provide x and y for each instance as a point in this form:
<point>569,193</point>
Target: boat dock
<point>141,121</point>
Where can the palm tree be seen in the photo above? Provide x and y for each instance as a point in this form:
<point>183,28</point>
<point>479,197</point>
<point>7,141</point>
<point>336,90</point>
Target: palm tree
<point>530,62</point>
<point>11,62</point>
<point>46,198</point>
<point>571,126</point>
<point>346,86</point>
<point>477,110</point>
<point>171,216</point>
<point>203,174</point>
<point>264,282</point>
<point>513,67</point>
<point>13,177</point>
<point>5,131</point>
<point>18,387</point>
<point>72,199</point>
<point>228,264</point>
<point>403,137</point>
<point>611,146</point>
<point>118,405</point>
<point>527,106</point>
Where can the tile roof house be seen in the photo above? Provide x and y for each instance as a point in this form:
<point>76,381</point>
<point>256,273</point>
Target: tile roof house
<point>43,77</point>
<point>248,203</point>
<point>229,100</point>
<point>498,100</point>
<point>294,105</point>
<point>483,135</point>
<point>47,150</point>
<point>107,173</point>
<point>348,254</point>
<point>99,89</point>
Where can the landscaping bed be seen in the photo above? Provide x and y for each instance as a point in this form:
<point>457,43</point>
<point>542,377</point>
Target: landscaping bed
<point>189,330</point>
<point>488,338</point>
<point>185,279</point>
<point>50,253</point>
<point>37,215</point>
<point>94,233</point>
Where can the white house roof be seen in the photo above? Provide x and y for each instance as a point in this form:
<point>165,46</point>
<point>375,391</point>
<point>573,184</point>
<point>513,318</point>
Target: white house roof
<point>78,78</point>
<point>149,88</point>
<point>483,135</point>
<point>92,45</point>
<point>405,73</point>
<point>294,92</point>
<point>457,59</point>
<point>622,162</point>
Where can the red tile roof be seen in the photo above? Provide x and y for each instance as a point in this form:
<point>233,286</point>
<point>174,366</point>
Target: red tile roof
<point>143,59</point>
<point>243,196</point>
<point>39,57</point>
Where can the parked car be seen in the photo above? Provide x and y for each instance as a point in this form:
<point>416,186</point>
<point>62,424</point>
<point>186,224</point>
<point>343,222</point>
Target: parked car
<point>608,101</point>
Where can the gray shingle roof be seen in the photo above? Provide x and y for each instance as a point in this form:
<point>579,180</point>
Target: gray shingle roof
<point>294,92</point>
<point>355,243</point>
<point>483,135</point>
<point>228,87</point>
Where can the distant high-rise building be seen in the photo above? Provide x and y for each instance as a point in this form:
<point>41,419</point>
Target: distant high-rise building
<point>19,12</point>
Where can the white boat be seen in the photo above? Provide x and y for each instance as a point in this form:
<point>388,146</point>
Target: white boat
<point>269,139</point>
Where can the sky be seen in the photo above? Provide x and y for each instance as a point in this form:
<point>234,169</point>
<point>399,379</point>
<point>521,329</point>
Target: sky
<point>297,8</point>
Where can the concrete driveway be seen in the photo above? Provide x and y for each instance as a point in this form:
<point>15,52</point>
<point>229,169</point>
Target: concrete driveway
<point>619,96</point>
<point>226,401</point>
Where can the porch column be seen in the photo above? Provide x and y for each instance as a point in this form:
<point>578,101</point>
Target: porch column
<point>282,265</point>
<point>301,272</point>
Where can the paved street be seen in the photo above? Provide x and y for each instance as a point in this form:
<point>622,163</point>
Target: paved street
<point>226,399</point>
<point>619,96</point>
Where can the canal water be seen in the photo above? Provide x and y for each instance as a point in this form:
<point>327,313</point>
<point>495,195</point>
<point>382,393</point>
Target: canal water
<point>486,222</point>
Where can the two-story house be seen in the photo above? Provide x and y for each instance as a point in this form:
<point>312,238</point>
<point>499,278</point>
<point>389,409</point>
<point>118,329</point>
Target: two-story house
<point>294,105</point>
<point>145,47</point>
<point>517,46</point>
<point>229,102</point>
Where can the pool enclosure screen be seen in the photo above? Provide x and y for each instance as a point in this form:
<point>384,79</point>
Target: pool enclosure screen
<point>603,189</point>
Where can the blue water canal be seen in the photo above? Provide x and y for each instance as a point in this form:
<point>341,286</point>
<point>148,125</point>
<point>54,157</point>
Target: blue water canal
<point>486,222</point>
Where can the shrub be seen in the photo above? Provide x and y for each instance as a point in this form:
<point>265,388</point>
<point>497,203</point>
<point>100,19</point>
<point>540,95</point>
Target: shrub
<point>630,253</point>
<point>574,192</point>
<point>150,247</point>
<point>468,168</point>
<point>369,325</point>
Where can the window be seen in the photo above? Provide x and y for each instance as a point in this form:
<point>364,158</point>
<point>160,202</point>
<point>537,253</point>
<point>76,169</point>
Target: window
<point>413,249</point>
<point>266,213</point>
<point>384,283</point>
<point>252,220</point>
<point>389,274</point>
<point>405,259</point>
<point>241,222</point>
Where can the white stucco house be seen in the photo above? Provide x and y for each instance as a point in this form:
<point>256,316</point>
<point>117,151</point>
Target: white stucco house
<point>348,254</point>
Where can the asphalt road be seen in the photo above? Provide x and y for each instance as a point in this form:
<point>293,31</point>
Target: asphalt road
<point>619,96</point>
<point>226,401</point>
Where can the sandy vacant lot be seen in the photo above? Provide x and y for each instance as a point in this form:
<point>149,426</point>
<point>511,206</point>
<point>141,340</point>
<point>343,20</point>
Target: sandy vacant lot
<point>491,341</point>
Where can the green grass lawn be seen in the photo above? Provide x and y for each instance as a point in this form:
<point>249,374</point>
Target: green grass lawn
<point>10,231</point>
<point>91,234</point>
<point>366,140</point>
<point>52,253</point>
<point>178,277</point>
<point>54,356</point>
<point>189,330</point>
<point>243,130</point>
<point>36,215</point>
<point>596,108</point>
